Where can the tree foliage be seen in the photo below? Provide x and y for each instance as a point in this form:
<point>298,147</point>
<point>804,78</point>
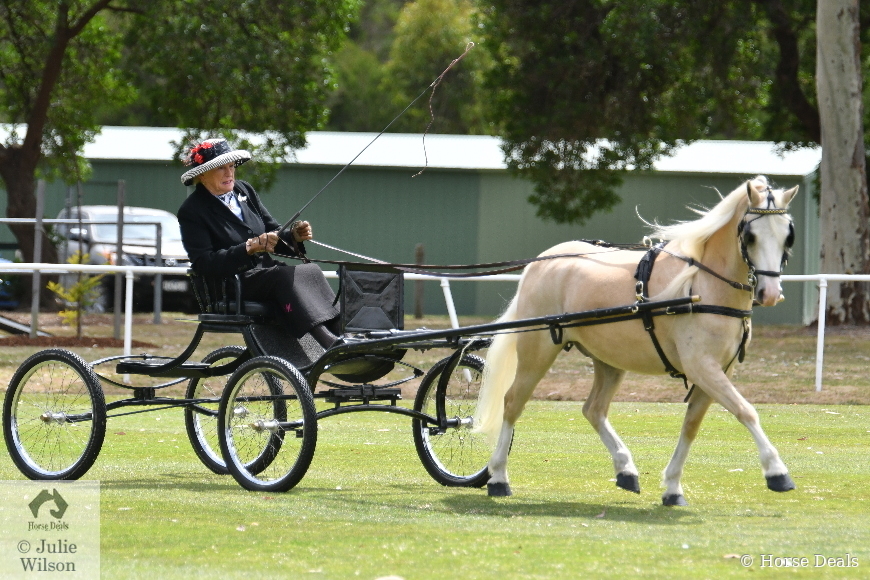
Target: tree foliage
<point>644,76</point>
<point>386,65</point>
<point>226,66</point>
<point>218,66</point>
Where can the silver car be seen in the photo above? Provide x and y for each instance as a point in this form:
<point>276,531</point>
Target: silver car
<point>139,248</point>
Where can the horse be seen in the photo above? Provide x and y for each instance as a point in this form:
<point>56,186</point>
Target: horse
<point>746,236</point>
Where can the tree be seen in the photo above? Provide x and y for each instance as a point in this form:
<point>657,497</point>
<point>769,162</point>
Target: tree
<point>55,57</point>
<point>646,76</point>
<point>429,34</point>
<point>587,89</point>
<point>395,52</point>
<point>217,66</point>
<point>845,209</point>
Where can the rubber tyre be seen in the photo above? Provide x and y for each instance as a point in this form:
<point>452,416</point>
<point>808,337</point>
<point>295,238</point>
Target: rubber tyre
<point>49,389</point>
<point>263,390</point>
<point>457,457</point>
<point>201,420</point>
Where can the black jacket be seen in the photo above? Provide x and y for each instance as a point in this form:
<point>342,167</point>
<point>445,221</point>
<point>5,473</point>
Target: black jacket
<point>214,237</point>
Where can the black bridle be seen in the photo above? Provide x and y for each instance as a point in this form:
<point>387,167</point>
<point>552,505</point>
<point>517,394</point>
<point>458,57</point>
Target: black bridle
<point>742,233</point>
<point>743,230</point>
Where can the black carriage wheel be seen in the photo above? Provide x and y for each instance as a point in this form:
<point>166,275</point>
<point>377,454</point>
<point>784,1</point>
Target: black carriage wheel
<point>267,416</point>
<point>201,419</point>
<point>456,455</point>
<point>54,416</point>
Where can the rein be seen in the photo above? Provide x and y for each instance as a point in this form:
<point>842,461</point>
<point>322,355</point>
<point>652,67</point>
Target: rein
<point>426,269</point>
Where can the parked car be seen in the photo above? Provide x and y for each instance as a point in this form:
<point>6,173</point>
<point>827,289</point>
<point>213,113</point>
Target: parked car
<point>99,241</point>
<point>7,294</point>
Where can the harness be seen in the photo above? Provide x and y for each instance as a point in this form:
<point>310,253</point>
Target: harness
<point>644,271</point>
<point>642,275</point>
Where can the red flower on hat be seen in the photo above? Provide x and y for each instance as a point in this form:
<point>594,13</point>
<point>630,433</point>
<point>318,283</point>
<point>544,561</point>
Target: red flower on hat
<point>197,158</point>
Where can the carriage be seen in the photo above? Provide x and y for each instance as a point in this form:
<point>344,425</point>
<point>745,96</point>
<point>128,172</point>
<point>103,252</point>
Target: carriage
<point>251,410</point>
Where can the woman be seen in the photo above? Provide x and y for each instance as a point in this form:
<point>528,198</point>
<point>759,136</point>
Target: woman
<point>226,230</point>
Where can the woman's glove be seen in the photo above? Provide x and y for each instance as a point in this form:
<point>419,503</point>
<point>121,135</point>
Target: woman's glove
<point>262,243</point>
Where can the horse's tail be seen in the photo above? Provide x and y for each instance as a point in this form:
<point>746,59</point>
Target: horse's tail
<point>498,375</point>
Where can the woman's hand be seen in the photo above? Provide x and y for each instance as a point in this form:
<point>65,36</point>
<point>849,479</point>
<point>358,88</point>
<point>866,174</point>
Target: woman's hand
<point>262,243</point>
<point>302,232</point>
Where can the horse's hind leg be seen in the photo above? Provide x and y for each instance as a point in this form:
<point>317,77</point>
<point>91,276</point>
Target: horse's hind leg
<point>535,354</point>
<point>699,402</point>
<point>607,380</point>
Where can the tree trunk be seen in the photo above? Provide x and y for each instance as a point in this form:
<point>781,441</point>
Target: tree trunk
<point>18,175</point>
<point>845,209</point>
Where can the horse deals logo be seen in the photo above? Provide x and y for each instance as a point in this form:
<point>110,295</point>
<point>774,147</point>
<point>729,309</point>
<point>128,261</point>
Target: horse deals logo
<point>60,508</point>
<point>49,527</point>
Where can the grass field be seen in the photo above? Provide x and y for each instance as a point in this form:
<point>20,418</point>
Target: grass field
<point>367,508</point>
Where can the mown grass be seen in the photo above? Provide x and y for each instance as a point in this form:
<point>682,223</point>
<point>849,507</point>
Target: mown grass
<point>779,366</point>
<point>367,508</point>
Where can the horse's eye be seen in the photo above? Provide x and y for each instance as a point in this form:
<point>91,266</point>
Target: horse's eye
<point>789,241</point>
<point>749,238</point>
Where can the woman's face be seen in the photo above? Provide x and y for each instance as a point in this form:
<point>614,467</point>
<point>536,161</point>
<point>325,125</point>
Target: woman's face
<point>220,179</point>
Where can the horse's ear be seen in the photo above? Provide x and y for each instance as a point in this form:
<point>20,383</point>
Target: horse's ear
<point>788,195</point>
<point>754,190</point>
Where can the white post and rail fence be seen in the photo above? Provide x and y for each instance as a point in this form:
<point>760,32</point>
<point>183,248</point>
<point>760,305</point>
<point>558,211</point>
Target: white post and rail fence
<point>131,271</point>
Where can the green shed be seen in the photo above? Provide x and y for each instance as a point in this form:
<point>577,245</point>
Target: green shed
<point>465,207</point>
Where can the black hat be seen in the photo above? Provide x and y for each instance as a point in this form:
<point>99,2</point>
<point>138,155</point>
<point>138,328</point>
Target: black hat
<point>210,154</point>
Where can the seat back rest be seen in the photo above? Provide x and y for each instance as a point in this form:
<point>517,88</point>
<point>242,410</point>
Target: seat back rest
<point>222,295</point>
<point>372,297</point>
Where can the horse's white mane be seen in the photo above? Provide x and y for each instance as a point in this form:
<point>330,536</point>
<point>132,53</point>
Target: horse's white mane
<point>689,238</point>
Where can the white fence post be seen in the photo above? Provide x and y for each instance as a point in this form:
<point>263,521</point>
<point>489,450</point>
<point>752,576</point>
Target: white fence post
<point>820,340</point>
<point>448,298</point>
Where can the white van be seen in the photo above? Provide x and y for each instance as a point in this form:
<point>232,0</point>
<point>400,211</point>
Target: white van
<point>99,240</point>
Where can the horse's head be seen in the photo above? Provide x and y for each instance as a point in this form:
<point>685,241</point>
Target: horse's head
<point>766,235</point>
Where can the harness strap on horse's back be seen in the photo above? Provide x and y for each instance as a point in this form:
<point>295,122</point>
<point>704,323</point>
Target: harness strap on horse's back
<point>642,274</point>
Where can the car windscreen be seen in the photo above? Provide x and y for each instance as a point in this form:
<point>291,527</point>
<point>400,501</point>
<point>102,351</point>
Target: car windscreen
<point>134,229</point>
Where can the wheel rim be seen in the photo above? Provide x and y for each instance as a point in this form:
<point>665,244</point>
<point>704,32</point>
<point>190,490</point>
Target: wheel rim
<point>204,415</point>
<point>263,453</point>
<point>457,451</point>
<point>51,418</point>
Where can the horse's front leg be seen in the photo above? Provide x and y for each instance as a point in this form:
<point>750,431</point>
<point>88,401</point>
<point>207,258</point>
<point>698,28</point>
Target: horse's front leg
<point>699,402</point>
<point>705,373</point>
<point>607,380</point>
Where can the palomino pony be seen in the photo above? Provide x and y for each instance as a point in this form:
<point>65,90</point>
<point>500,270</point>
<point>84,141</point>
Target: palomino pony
<point>746,237</point>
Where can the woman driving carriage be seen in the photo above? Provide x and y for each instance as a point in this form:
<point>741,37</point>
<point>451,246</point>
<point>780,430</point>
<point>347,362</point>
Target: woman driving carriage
<point>226,230</point>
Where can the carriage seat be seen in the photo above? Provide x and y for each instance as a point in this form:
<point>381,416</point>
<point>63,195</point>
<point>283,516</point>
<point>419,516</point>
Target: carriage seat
<point>219,295</point>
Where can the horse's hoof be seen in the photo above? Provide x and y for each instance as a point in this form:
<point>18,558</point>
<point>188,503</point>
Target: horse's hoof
<point>780,482</point>
<point>628,481</point>
<point>501,489</point>
<point>674,499</point>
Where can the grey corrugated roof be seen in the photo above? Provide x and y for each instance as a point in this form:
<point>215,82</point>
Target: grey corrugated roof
<point>473,152</point>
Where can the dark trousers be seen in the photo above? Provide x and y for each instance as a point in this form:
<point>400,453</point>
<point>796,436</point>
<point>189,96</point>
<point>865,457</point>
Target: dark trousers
<point>300,292</point>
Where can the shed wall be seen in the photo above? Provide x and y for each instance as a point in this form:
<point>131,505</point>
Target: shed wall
<point>460,216</point>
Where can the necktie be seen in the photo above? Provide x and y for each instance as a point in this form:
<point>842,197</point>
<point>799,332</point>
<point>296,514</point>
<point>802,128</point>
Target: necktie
<point>231,202</point>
